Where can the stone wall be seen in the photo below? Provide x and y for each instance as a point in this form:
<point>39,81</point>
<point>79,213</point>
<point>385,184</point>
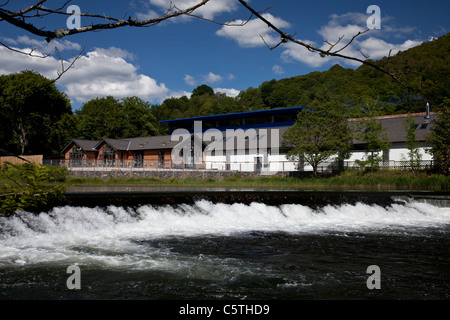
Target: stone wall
<point>170,174</point>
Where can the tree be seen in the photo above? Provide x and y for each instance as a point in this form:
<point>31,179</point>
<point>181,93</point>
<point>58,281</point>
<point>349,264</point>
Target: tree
<point>64,131</point>
<point>439,139</point>
<point>251,99</point>
<point>201,90</point>
<point>140,120</point>
<point>318,135</point>
<point>413,152</point>
<point>30,108</point>
<point>110,118</point>
<point>101,118</point>
<point>370,132</point>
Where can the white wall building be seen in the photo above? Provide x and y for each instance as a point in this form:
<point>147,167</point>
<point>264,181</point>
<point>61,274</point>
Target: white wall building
<point>272,156</point>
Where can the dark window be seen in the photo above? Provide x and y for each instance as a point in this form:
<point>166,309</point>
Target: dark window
<point>109,155</point>
<point>77,153</point>
<point>138,158</point>
<point>76,156</point>
<point>161,158</point>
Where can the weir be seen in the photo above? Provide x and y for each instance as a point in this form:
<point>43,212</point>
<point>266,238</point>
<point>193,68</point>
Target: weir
<point>133,197</point>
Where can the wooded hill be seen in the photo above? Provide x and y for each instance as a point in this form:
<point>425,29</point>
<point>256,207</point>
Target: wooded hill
<point>425,69</point>
<point>37,117</point>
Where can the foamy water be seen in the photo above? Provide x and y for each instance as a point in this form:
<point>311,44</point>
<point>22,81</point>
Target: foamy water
<point>112,237</point>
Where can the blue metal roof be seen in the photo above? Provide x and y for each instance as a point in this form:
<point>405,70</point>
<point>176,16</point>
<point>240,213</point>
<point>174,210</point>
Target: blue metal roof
<point>240,115</point>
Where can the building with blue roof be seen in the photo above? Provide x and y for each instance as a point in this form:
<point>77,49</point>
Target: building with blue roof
<point>271,118</point>
<point>244,141</point>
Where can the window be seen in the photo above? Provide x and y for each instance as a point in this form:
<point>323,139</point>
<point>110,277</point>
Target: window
<point>138,158</point>
<point>161,158</point>
<point>76,156</point>
<point>109,155</point>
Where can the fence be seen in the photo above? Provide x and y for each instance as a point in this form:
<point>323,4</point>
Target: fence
<point>272,166</point>
<point>36,159</point>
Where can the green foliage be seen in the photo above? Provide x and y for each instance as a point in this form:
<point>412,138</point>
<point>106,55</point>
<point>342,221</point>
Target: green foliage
<point>370,132</point>
<point>141,122</point>
<point>37,118</point>
<point>101,118</point>
<point>425,69</point>
<point>203,103</point>
<point>28,186</point>
<point>439,139</point>
<point>319,134</point>
<point>201,90</point>
<point>413,151</point>
<point>30,108</point>
<point>109,118</point>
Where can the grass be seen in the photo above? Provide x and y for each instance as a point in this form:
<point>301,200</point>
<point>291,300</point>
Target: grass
<point>380,180</point>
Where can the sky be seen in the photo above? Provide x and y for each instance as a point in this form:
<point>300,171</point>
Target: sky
<point>174,57</point>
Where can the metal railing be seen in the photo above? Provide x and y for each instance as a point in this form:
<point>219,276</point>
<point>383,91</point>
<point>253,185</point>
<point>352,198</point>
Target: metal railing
<point>272,166</point>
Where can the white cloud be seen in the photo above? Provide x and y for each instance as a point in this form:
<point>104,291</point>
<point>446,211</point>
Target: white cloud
<point>213,78</point>
<point>229,92</point>
<point>43,46</point>
<point>178,94</point>
<point>12,62</point>
<point>189,80</point>
<point>277,69</point>
<point>149,14</point>
<point>344,27</point>
<point>99,73</point>
<point>115,52</point>
<point>377,48</point>
<point>207,11</point>
<point>296,52</point>
<point>250,34</point>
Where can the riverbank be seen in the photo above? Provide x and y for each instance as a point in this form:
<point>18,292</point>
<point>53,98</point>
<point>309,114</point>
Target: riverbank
<point>380,188</point>
<point>350,180</point>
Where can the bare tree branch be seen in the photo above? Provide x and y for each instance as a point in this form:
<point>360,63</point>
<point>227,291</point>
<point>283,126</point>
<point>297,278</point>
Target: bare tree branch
<point>285,37</point>
<point>64,68</point>
<point>31,54</point>
<point>21,19</point>
<point>18,20</point>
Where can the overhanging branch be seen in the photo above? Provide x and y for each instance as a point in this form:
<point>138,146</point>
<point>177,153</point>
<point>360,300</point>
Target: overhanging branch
<point>285,37</point>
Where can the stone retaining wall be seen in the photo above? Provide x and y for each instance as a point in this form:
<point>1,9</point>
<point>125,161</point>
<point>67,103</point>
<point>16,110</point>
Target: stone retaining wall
<point>172,174</point>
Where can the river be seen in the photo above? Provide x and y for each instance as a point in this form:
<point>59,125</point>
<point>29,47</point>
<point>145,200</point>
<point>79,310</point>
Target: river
<point>207,250</point>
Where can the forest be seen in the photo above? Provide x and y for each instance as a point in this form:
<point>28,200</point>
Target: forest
<point>37,118</point>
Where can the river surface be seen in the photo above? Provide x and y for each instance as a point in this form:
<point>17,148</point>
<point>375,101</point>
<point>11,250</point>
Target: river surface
<point>214,251</point>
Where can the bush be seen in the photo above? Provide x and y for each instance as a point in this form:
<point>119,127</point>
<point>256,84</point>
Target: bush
<point>25,186</point>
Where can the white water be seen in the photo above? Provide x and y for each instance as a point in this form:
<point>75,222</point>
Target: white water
<point>111,238</point>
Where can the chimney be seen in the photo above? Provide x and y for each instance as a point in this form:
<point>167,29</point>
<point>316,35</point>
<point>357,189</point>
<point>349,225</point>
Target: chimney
<point>427,116</point>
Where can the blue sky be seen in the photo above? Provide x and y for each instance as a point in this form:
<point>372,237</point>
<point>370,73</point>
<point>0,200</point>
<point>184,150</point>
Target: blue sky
<point>174,57</point>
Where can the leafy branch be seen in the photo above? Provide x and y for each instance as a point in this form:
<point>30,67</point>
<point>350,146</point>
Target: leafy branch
<point>28,186</point>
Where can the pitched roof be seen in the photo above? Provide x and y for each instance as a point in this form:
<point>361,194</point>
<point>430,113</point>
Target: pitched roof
<point>395,126</point>
<point>140,143</point>
<point>86,145</point>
